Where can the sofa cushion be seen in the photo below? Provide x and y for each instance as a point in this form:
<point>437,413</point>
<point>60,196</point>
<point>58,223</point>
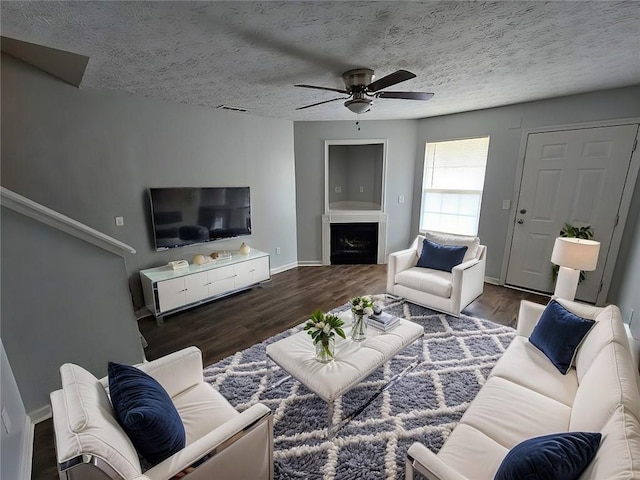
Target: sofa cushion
<point>472,453</point>
<point>618,457</point>
<point>472,243</point>
<point>524,364</point>
<point>558,334</point>
<point>549,457</point>
<point>145,412</point>
<point>510,413</point>
<point>609,382</point>
<point>202,410</point>
<point>426,280</point>
<point>440,257</point>
<point>84,422</point>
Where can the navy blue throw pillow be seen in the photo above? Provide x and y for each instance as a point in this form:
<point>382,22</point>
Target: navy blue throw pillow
<point>558,334</point>
<point>440,257</point>
<point>560,456</point>
<point>145,412</point>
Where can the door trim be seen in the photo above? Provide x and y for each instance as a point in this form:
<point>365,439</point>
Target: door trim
<point>623,209</point>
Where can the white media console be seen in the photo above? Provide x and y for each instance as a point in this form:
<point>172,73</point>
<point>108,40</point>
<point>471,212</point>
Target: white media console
<point>168,291</point>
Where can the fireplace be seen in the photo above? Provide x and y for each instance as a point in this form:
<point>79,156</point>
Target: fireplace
<point>354,243</point>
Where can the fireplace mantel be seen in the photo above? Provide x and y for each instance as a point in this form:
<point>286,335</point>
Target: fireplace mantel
<point>354,217</point>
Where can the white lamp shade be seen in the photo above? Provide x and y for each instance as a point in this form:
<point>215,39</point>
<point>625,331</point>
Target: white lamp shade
<point>576,253</point>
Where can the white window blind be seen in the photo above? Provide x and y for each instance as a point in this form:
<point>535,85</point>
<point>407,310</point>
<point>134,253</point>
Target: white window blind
<point>452,185</point>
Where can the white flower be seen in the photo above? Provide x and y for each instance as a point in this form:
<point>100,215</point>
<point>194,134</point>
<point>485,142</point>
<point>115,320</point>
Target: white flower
<point>366,298</point>
<point>320,325</point>
<point>368,311</point>
<point>326,329</point>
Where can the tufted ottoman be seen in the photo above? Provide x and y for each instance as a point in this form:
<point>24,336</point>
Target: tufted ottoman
<point>352,363</point>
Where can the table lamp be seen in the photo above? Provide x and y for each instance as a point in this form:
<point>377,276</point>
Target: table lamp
<point>573,255</point>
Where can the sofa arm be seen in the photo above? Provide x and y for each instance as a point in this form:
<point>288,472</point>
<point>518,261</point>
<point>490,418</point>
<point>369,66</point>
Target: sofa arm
<point>398,262</point>
<point>428,464</point>
<point>240,448</point>
<point>528,317</point>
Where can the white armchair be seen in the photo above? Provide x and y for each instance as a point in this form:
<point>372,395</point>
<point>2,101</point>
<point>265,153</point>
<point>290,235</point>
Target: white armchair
<point>220,441</point>
<point>448,292</point>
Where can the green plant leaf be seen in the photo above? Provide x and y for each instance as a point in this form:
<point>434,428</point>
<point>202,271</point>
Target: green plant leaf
<point>572,231</point>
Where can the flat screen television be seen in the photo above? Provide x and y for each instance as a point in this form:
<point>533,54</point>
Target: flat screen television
<point>187,216</point>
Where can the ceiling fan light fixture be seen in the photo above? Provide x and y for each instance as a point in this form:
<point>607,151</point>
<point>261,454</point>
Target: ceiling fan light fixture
<point>358,105</point>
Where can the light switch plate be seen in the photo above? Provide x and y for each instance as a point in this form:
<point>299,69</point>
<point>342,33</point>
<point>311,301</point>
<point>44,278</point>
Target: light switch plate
<point>119,221</point>
<point>506,204</point>
<point>400,198</point>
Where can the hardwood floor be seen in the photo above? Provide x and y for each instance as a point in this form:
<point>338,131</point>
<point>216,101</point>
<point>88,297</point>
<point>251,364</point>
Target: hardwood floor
<point>226,326</point>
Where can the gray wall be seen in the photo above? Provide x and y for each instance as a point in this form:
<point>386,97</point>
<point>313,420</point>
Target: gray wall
<point>625,286</point>
<point>505,126</point>
<point>63,300</point>
<point>355,166</point>
<point>92,155</point>
<point>309,155</point>
<point>12,461</point>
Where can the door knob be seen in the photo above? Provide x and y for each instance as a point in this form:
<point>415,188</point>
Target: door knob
<point>520,221</point>
<point>523,211</point>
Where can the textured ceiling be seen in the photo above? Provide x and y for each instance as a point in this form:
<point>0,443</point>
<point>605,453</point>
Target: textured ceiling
<point>472,55</point>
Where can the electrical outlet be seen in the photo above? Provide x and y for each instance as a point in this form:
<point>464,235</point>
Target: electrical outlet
<point>119,221</point>
<point>338,189</point>
<point>277,250</point>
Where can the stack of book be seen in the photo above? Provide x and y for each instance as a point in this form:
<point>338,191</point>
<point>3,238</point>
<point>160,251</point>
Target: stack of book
<point>383,321</point>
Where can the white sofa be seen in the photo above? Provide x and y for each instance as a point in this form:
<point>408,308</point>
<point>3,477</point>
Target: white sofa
<point>91,445</point>
<point>526,396</point>
<point>448,292</point>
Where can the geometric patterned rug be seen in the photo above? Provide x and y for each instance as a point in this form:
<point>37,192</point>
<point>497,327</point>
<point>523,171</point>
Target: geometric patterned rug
<point>444,372</point>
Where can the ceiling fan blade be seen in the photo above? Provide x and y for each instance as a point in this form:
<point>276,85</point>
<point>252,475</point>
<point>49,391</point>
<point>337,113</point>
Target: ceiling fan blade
<point>323,88</point>
<point>405,95</point>
<point>320,103</point>
<point>391,79</point>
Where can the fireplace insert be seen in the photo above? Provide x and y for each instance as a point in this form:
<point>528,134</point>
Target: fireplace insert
<point>354,243</point>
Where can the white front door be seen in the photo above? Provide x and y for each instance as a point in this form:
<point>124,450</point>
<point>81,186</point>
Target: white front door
<point>569,176</point>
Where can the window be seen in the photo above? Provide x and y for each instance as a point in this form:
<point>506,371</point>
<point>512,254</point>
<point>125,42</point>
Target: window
<point>452,185</point>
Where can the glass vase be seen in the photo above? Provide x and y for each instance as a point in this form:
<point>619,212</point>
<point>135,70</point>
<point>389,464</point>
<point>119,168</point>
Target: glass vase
<point>325,349</point>
<point>359,328</point>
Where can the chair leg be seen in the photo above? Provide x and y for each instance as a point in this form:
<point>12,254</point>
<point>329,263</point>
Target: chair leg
<point>408,471</point>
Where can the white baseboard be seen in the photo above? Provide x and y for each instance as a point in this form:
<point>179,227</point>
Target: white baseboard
<point>312,263</point>
<point>27,448</point>
<point>40,414</point>
<point>284,268</point>
<point>492,281</point>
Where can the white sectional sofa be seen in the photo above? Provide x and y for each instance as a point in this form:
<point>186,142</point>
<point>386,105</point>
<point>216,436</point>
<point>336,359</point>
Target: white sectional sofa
<point>526,396</point>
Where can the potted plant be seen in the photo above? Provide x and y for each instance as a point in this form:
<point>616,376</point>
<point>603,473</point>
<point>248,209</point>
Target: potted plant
<point>323,329</point>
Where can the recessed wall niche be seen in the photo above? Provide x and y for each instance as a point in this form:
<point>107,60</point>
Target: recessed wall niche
<point>355,175</point>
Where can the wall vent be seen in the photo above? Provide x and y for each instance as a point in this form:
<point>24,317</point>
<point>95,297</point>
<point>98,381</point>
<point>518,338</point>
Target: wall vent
<point>233,109</point>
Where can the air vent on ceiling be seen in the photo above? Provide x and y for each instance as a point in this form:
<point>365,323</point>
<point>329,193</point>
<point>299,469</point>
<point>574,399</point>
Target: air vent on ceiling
<point>233,109</point>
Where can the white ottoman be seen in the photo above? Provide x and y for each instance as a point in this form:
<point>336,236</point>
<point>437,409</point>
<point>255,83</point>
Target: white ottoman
<point>352,363</point>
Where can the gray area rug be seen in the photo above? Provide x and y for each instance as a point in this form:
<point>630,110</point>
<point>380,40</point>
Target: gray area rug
<point>443,374</point>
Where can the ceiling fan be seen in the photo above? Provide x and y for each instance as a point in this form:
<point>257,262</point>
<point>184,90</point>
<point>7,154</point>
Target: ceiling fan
<point>361,88</point>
